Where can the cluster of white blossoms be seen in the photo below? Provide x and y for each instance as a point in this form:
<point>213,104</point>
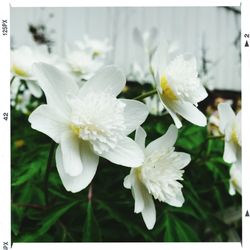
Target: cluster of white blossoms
<point>81,60</point>
<point>85,57</point>
<point>89,122</point>
<point>230,127</point>
<point>86,119</point>
<point>96,48</point>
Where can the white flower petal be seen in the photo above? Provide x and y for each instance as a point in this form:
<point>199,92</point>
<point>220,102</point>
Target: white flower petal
<point>235,180</point>
<point>135,113</point>
<point>15,85</point>
<point>232,190</point>
<point>165,141</point>
<point>126,153</point>
<point>226,115</point>
<point>127,181</point>
<point>149,212</point>
<point>160,57</point>
<point>177,200</point>
<point>188,111</point>
<point>90,161</point>
<point>175,117</point>
<point>200,93</point>
<point>138,191</point>
<point>34,89</point>
<point>78,183</point>
<point>71,154</point>
<point>238,126</point>
<point>184,159</point>
<point>109,79</point>
<point>230,151</point>
<point>55,84</point>
<point>153,33</point>
<point>140,136</point>
<point>48,121</point>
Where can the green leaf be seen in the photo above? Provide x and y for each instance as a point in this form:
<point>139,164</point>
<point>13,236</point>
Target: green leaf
<point>18,207</point>
<point>197,205</point>
<point>123,220</point>
<point>169,232</point>
<point>186,210</point>
<point>91,229</point>
<point>50,220</point>
<point>176,229</point>
<point>27,175</point>
<point>185,232</point>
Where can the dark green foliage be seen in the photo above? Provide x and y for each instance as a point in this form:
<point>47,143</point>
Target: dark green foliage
<point>109,216</point>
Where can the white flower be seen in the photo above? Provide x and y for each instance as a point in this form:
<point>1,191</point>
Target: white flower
<point>81,64</point>
<point>97,48</point>
<point>235,182</point>
<point>22,60</point>
<point>214,119</point>
<point>87,122</point>
<point>213,124</point>
<point>146,40</point>
<point>158,176</point>
<point>22,101</point>
<point>230,126</point>
<point>139,74</point>
<point>154,105</point>
<point>180,89</point>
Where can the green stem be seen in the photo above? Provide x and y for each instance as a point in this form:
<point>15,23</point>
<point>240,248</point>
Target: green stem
<point>144,95</point>
<point>48,169</point>
<point>152,74</point>
<point>90,193</point>
<point>12,79</point>
<point>215,137</point>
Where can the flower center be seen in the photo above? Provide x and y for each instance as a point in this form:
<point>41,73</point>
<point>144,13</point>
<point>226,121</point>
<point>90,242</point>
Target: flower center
<point>234,137</point>
<point>161,172</point>
<point>99,119</point>
<point>167,90</point>
<point>138,173</point>
<point>235,183</point>
<point>75,129</point>
<point>18,71</point>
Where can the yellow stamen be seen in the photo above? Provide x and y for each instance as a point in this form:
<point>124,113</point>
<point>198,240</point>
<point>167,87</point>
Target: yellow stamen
<point>138,172</point>
<point>235,183</point>
<point>166,89</point>
<point>75,129</point>
<point>234,137</point>
<point>18,71</point>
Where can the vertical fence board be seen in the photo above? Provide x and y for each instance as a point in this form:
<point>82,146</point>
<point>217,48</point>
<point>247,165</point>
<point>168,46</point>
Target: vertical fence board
<point>189,26</point>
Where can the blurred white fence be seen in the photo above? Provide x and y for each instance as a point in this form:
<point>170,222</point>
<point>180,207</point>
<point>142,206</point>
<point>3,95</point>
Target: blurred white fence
<point>190,27</point>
